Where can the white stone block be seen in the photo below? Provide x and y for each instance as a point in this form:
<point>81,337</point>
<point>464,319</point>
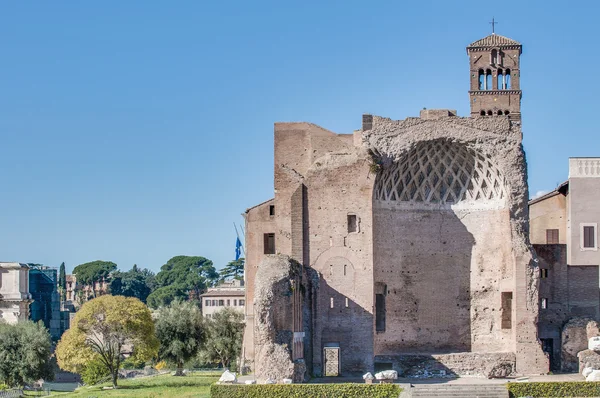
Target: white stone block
<point>228,377</point>
<point>250,381</point>
<point>387,375</point>
<point>287,381</point>
<point>368,376</point>
<point>594,344</point>
<point>586,372</point>
<point>594,376</point>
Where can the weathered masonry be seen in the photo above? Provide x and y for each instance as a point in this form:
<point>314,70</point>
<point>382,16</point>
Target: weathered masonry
<point>403,245</point>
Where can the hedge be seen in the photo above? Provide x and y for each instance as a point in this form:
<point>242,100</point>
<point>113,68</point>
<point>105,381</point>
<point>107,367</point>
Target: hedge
<point>346,390</point>
<point>554,389</point>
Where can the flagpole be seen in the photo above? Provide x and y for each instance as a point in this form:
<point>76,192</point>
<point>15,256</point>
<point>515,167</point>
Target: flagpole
<point>238,236</point>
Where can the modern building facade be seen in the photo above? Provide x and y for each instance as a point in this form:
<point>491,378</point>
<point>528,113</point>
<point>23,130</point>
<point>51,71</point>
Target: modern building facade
<point>46,305</point>
<point>229,294</point>
<point>564,232</point>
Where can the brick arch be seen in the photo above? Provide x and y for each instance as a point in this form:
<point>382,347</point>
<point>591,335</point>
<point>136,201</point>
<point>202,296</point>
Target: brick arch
<point>320,263</point>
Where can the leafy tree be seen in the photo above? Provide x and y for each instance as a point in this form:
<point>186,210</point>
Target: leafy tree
<point>106,329</point>
<point>233,270</point>
<point>62,281</point>
<point>182,277</point>
<point>133,283</point>
<point>165,295</point>
<point>93,372</point>
<point>180,330</point>
<point>225,332</point>
<point>89,274</point>
<point>25,350</point>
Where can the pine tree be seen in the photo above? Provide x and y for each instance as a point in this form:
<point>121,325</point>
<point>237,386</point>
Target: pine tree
<point>62,282</point>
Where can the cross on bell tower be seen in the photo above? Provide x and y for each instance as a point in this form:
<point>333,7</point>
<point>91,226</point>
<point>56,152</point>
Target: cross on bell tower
<point>495,76</point>
<point>493,23</point>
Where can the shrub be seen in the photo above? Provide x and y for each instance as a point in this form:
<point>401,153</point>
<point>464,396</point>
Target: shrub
<point>161,365</point>
<point>347,390</point>
<point>132,363</point>
<point>93,372</point>
<point>554,389</point>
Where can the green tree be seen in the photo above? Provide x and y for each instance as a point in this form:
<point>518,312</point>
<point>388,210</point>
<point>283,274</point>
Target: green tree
<point>182,277</point>
<point>225,331</point>
<point>133,283</point>
<point>98,271</point>
<point>62,281</point>
<point>106,329</point>
<point>233,270</point>
<point>180,330</point>
<point>25,350</point>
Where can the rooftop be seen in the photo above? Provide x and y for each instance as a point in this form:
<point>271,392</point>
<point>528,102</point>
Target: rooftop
<point>224,293</point>
<point>494,40</point>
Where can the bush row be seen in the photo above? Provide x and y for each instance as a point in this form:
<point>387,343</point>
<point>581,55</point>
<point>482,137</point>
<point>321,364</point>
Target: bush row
<point>555,389</point>
<point>348,390</point>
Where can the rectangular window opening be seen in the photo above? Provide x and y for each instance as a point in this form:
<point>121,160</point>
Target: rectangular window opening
<point>242,302</point>
<point>272,210</point>
<point>589,237</point>
<point>269,243</point>
<point>235,303</point>
<point>506,310</point>
<point>228,303</point>
<point>352,224</point>
<point>379,313</point>
<point>552,236</point>
<point>543,273</point>
<point>221,303</point>
<point>207,303</point>
<point>344,269</point>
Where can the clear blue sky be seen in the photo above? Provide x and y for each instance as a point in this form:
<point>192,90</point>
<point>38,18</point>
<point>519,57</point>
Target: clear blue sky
<point>134,131</point>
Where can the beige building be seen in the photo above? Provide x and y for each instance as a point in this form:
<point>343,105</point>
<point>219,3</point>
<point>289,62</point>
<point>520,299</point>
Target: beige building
<point>411,238</point>
<point>14,292</point>
<point>227,294</point>
<point>564,232</point>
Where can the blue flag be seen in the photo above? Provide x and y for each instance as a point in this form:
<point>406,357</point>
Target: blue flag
<point>238,246</point>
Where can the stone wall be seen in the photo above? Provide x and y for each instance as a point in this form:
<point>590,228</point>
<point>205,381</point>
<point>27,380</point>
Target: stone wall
<point>258,222</point>
<point>274,314</point>
<point>498,140</point>
<point>450,365</point>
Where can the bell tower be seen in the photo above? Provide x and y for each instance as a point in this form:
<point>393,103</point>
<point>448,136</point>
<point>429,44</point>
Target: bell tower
<point>495,77</point>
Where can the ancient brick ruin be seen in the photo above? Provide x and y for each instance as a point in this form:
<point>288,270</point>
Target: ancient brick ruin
<point>410,239</point>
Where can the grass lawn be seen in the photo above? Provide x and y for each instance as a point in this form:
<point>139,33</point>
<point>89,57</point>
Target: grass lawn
<point>196,385</point>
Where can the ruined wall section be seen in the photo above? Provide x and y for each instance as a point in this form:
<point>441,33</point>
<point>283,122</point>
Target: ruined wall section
<point>259,222</point>
<point>339,187</point>
<point>499,140</point>
<point>324,178</point>
<point>274,318</point>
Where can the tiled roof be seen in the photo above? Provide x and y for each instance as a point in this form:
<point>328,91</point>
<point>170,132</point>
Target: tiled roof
<point>223,293</point>
<point>494,40</point>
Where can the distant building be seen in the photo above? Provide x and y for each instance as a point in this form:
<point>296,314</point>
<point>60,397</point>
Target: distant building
<point>71,288</point>
<point>228,294</point>
<point>76,293</point>
<point>46,307</point>
<point>14,292</point>
<point>564,233</point>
